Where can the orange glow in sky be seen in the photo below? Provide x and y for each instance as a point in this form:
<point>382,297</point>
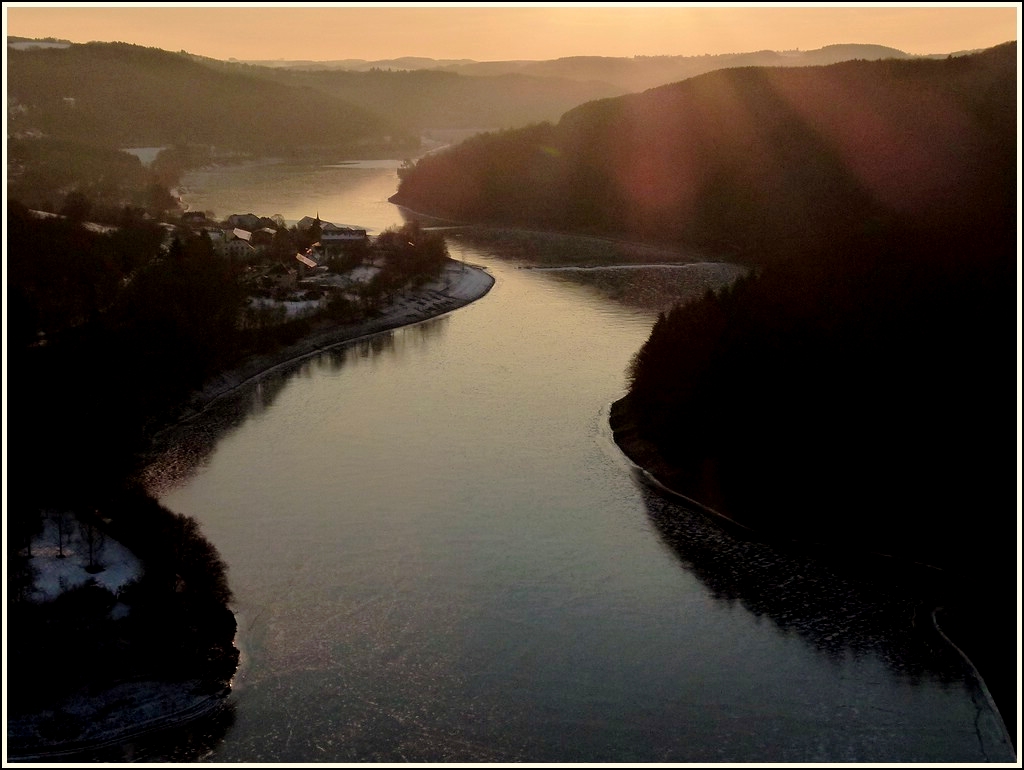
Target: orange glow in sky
<point>494,32</point>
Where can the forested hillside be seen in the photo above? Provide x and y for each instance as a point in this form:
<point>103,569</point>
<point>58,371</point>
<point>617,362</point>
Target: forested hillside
<point>119,95</point>
<point>420,100</point>
<point>749,159</point>
<point>849,387</point>
<point>877,201</point>
<point>165,98</point>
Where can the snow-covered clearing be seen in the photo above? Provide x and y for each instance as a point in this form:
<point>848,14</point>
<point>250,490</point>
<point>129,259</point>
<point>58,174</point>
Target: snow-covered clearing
<point>55,575</point>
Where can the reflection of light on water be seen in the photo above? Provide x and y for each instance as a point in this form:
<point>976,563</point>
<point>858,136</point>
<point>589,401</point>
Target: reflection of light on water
<point>355,192</point>
<point>374,164</point>
<point>181,451</point>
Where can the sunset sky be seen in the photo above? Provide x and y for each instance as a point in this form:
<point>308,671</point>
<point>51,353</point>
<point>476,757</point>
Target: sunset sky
<point>498,31</point>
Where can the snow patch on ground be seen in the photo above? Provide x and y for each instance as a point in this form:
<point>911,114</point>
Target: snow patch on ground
<point>55,575</point>
<point>362,274</point>
<point>94,720</point>
<point>294,308</point>
<point>94,227</point>
<point>465,283</point>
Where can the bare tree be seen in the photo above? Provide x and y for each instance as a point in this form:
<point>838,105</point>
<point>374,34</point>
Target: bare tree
<point>63,524</point>
<point>23,524</point>
<point>94,539</point>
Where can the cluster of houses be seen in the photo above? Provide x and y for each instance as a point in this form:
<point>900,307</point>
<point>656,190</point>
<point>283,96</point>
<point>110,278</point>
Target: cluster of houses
<point>244,237</point>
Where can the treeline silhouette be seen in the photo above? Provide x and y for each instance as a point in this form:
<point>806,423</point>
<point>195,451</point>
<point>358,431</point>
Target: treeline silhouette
<point>852,372</point>
<point>44,172</point>
<point>107,332</point>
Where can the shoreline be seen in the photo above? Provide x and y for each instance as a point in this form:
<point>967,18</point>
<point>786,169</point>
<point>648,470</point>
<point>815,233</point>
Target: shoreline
<point>155,706</point>
<point>646,458</point>
<point>673,254</point>
<point>129,711</point>
<point>647,462</point>
<point>460,284</point>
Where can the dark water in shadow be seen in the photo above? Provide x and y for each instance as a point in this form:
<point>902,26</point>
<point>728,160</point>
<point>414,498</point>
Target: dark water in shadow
<point>848,606</point>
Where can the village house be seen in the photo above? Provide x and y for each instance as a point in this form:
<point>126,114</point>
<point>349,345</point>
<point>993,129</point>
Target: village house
<point>194,219</point>
<point>306,223</point>
<point>247,222</point>
<point>262,239</point>
<point>238,246</point>
<point>335,239</point>
<point>217,237</point>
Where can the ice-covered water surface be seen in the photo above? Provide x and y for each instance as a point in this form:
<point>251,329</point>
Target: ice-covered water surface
<point>439,555</point>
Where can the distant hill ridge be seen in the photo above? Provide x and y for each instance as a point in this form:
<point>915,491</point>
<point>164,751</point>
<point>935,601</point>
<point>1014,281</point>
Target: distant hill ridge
<point>125,95</point>
<point>122,95</point>
<point>628,73</point>
<point>270,107</point>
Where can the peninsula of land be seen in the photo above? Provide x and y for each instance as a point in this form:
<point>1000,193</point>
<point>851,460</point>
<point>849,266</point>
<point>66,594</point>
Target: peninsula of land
<point>458,284</point>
